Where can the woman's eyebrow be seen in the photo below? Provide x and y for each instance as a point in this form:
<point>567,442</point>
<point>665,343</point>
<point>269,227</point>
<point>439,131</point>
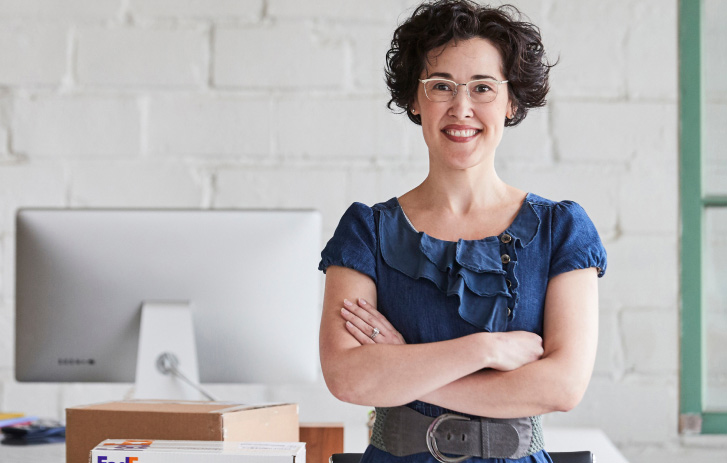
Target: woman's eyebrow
<point>446,75</point>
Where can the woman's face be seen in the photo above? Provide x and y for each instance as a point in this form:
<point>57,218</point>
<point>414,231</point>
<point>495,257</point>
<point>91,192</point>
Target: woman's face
<point>461,133</point>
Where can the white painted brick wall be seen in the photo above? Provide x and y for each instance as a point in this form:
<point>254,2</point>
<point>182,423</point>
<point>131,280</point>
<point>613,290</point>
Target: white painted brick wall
<point>609,358</point>
<point>281,103</point>
<point>90,126</point>
<point>648,336</point>
<point>209,126</point>
<point>337,127</point>
<point>644,266</point>
<point>588,37</point>
<point>647,196</point>
<point>4,146</point>
<point>369,44</point>
<point>608,132</point>
<point>67,10</point>
<point>134,184</point>
<point>529,142</point>
<point>223,10</point>
<point>123,56</point>
<point>32,54</point>
<point>651,67</point>
<point>371,10</point>
<point>273,56</point>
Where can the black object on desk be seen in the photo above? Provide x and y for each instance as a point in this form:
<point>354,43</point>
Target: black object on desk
<point>33,434</point>
<point>558,457</point>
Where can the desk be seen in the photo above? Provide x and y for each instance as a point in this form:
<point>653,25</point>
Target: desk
<point>558,439</point>
<point>41,453</point>
<point>573,439</point>
<point>322,439</point>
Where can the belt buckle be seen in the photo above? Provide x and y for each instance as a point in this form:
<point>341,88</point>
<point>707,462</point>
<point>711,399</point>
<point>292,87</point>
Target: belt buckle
<point>432,441</point>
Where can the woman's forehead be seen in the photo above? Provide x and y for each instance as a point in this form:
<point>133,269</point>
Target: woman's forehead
<point>477,55</point>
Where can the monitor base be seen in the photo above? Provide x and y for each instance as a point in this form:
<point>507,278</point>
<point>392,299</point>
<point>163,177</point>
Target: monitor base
<point>166,330</point>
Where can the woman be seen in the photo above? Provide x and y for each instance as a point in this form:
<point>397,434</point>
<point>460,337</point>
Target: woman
<point>466,297</point>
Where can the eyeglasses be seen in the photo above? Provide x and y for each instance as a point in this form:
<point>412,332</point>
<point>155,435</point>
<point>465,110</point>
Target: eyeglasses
<point>479,91</point>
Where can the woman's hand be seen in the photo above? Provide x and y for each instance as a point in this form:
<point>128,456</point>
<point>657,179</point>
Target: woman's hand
<point>367,325</point>
<point>513,349</point>
<point>508,351</point>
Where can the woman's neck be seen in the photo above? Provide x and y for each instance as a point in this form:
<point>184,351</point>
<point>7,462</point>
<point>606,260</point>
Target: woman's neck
<point>461,191</point>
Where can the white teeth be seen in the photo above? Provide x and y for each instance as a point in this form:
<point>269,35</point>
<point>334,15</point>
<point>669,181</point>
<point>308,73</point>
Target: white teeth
<point>461,133</point>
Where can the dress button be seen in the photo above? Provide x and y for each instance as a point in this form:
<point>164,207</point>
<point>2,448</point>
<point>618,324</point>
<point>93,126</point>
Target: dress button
<point>505,259</point>
<point>505,238</point>
<point>509,311</point>
<point>509,283</point>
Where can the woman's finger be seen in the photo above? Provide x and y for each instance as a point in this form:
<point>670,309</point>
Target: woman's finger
<point>366,315</point>
<point>353,318</point>
<point>382,321</point>
<point>378,316</point>
<point>369,321</point>
<point>358,335</point>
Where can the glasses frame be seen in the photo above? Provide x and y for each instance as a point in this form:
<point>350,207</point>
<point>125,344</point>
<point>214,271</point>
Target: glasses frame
<point>455,90</point>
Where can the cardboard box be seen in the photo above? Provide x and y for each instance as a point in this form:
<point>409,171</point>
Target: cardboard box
<point>88,425</point>
<point>178,451</point>
<point>321,440</point>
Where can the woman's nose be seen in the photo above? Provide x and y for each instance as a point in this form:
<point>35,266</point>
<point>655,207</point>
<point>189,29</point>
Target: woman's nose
<point>461,104</point>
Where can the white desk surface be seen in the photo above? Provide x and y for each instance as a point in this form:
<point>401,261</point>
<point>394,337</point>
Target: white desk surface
<point>574,439</point>
<point>557,440</point>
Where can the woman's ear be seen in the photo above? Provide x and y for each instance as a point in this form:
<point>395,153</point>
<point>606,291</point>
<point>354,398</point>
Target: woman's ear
<point>511,110</point>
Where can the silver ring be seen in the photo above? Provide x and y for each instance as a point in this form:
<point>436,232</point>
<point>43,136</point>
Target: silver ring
<point>375,333</point>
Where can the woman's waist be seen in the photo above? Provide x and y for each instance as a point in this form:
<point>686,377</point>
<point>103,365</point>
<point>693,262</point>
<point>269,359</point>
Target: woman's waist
<point>434,411</point>
<point>402,430</point>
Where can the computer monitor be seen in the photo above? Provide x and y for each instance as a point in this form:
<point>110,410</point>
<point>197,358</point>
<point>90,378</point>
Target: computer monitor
<point>248,278</point>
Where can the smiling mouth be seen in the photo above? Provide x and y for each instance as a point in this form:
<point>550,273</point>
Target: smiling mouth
<point>462,133</point>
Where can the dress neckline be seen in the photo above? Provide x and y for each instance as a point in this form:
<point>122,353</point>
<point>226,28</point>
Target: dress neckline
<point>521,222</point>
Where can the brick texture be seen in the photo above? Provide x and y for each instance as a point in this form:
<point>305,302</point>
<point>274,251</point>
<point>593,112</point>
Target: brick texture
<point>124,56</point>
<point>83,126</point>
<point>32,54</point>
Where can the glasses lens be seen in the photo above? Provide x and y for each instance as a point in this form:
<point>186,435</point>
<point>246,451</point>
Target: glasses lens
<point>482,91</point>
<point>439,89</point>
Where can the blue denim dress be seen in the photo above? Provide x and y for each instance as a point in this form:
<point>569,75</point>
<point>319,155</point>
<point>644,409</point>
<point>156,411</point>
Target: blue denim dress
<point>433,290</point>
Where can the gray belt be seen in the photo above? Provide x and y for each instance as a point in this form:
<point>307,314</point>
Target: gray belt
<point>403,431</point>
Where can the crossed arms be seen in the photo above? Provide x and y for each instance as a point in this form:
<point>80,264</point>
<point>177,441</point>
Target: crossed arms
<point>498,375</point>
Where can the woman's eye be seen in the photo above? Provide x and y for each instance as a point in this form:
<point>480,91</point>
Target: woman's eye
<point>482,88</point>
<point>442,86</point>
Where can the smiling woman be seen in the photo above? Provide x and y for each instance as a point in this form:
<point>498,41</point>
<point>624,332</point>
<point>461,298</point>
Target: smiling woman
<point>465,308</point>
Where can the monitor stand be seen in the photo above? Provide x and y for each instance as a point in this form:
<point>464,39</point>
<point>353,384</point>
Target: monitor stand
<point>166,363</point>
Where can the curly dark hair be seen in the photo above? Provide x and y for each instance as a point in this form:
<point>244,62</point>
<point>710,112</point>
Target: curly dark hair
<point>436,23</point>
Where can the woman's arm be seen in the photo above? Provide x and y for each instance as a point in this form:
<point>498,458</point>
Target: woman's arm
<point>559,379</point>
<point>390,375</point>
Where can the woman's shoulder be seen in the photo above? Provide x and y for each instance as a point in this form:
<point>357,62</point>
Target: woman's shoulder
<point>559,219</point>
<point>360,216</point>
<point>571,234</point>
<point>556,210</point>
<point>360,208</point>
<point>392,203</point>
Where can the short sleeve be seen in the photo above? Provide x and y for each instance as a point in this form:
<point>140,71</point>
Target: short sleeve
<point>575,241</point>
<point>353,244</point>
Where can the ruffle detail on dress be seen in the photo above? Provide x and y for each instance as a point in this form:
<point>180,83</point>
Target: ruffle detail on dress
<point>472,270</point>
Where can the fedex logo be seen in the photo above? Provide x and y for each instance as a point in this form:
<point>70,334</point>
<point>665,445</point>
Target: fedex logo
<point>126,445</point>
<point>125,460</point>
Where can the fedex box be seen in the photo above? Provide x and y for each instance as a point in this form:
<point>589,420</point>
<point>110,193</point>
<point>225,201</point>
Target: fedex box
<point>173,451</point>
<point>88,425</point>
